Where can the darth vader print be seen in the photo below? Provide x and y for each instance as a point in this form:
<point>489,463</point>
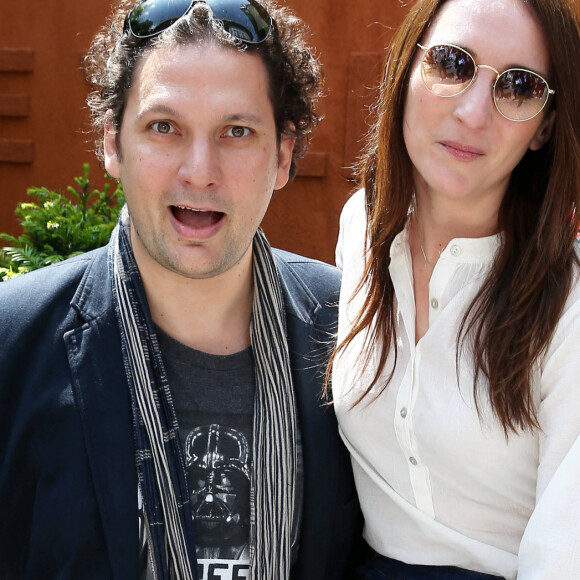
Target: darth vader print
<point>218,463</point>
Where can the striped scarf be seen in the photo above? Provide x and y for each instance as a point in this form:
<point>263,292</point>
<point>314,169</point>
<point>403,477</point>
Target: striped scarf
<point>159,457</point>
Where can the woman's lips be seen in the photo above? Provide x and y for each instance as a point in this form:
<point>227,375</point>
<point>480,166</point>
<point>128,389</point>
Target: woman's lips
<point>462,152</point>
<point>195,223</point>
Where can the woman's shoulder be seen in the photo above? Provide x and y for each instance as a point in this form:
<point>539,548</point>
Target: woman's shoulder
<point>352,229</point>
<point>354,206</point>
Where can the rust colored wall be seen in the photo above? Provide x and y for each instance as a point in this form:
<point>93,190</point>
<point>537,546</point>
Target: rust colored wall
<point>44,122</point>
<point>350,37</point>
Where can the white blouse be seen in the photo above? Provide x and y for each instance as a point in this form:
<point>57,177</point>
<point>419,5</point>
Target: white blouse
<point>439,484</point>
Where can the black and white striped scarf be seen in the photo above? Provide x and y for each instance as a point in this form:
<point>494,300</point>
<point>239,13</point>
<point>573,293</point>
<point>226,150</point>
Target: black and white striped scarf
<point>159,458</point>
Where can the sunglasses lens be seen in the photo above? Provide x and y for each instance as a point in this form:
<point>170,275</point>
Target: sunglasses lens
<point>154,16</point>
<point>447,70</point>
<point>244,19</point>
<point>520,94</point>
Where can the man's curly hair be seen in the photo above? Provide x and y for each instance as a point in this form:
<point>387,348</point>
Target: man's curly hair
<point>293,69</point>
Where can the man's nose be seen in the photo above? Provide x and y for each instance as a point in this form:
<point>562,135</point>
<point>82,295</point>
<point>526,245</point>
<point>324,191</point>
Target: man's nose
<point>200,163</point>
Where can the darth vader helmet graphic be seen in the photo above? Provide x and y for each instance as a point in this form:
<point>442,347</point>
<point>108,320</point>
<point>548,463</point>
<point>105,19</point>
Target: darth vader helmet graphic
<point>218,461</point>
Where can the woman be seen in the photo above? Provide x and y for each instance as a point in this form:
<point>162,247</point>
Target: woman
<point>457,375</point>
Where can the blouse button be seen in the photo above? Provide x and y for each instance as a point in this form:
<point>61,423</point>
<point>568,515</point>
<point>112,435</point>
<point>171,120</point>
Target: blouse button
<point>413,461</point>
<point>455,251</point>
<point>434,303</point>
<point>404,412</point>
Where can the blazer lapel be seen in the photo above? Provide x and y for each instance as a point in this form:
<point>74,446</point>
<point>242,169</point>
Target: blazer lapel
<point>94,352</point>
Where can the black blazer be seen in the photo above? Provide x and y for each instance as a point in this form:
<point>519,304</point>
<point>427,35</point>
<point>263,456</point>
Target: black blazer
<point>68,486</point>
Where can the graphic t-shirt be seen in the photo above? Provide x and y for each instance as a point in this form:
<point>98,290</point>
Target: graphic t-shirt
<point>213,397</point>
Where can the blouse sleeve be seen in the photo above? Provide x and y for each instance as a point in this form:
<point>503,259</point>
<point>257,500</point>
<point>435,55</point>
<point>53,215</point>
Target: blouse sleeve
<point>550,546</point>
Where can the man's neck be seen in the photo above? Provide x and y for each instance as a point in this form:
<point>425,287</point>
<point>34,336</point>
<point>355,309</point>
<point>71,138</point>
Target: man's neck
<point>211,315</point>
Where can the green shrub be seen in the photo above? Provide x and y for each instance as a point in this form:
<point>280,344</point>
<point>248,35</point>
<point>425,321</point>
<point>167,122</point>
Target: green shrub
<point>57,226</point>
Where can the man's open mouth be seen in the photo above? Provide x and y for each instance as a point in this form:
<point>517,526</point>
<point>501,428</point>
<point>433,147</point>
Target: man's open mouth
<point>196,218</point>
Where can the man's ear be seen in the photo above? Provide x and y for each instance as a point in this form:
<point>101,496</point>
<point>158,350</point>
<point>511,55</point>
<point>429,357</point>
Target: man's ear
<point>111,146</point>
<point>544,132</point>
<point>287,140</point>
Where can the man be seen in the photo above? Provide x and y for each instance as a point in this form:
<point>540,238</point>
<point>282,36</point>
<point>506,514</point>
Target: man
<point>160,399</point>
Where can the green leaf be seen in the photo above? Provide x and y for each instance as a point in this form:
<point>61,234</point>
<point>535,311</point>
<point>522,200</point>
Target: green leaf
<point>56,226</point>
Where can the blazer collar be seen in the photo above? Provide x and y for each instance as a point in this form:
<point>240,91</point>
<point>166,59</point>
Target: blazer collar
<point>94,296</point>
<point>298,298</point>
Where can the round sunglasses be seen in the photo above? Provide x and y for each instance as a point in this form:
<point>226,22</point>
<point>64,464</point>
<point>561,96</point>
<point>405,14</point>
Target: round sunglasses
<point>244,19</point>
<point>448,70</point>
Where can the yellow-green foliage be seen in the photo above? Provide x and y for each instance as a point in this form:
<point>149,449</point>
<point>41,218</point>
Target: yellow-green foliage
<point>57,226</point>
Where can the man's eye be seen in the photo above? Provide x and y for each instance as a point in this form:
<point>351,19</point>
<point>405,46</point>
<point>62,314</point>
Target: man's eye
<point>163,127</point>
<point>237,131</point>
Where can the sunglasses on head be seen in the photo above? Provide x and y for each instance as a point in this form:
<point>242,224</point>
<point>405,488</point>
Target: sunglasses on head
<point>244,19</point>
<point>519,94</point>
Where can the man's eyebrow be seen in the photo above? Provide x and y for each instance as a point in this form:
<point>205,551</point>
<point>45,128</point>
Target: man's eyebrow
<point>244,118</point>
<point>158,109</point>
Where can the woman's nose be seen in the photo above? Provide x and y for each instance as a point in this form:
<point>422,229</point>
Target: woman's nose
<point>475,107</point>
